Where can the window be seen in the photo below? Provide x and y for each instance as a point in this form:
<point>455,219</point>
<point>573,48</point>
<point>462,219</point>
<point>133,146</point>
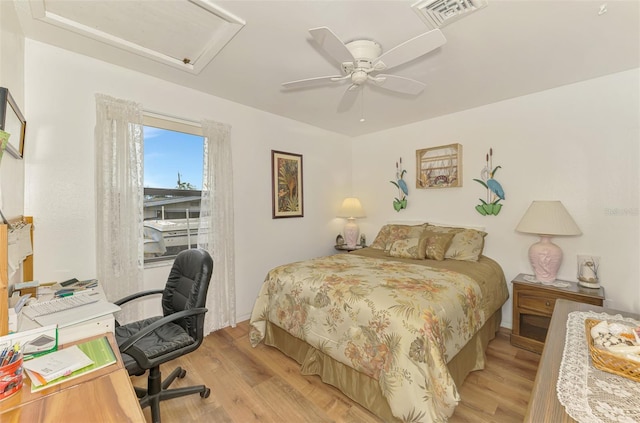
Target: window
<point>173,160</point>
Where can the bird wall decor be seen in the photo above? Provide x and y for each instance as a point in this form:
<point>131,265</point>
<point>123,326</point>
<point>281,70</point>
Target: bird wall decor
<point>495,193</point>
<point>400,202</point>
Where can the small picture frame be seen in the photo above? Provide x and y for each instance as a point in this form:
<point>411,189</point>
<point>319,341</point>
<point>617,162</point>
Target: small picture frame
<point>588,267</point>
<point>439,167</point>
<point>286,185</point>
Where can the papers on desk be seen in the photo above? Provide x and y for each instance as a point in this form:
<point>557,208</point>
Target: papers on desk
<point>98,351</point>
<point>60,363</point>
<point>19,246</point>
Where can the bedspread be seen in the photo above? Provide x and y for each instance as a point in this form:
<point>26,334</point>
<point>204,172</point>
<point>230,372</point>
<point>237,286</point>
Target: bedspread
<point>397,322</point>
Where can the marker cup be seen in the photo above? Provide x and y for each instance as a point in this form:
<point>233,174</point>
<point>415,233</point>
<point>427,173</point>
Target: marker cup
<point>11,378</point>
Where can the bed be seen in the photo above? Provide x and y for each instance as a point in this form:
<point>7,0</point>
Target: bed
<point>396,326</point>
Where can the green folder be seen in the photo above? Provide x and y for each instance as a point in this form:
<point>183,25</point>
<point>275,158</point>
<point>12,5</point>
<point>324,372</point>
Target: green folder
<point>98,350</point>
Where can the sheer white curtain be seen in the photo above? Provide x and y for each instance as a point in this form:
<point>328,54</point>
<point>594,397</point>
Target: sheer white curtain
<point>216,233</point>
<point>119,199</point>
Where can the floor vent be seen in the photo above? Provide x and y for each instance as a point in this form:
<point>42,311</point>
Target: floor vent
<point>439,13</point>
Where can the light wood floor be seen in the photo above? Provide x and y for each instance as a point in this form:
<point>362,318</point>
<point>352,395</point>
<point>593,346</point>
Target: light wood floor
<point>263,385</point>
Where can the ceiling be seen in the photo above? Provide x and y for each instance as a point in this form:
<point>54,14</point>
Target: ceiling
<point>508,49</point>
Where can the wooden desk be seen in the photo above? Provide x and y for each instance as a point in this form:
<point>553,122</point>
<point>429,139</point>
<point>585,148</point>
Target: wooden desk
<point>105,395</point>
<point>543,403</point>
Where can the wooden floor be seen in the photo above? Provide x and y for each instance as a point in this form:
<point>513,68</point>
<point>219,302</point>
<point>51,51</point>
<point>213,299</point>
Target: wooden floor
<point>263,385</point>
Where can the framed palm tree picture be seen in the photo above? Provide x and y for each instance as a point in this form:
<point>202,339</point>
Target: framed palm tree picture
<point>286,183</point>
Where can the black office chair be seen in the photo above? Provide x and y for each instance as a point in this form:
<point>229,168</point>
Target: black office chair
<point>147,343</point>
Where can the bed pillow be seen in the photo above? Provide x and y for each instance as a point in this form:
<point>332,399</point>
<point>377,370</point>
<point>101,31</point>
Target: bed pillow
<point>390,233</point>
<point>381,239</point>
<point>437,244</point>
<point>411,248</point>
<point>466,245</point>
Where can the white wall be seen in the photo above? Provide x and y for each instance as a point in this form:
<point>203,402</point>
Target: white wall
<point>11,77</point>
<point>60,89</point>
<point>578,144</point>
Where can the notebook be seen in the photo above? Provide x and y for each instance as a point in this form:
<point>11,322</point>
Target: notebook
<point>98,350</point>
<point>57,364</point>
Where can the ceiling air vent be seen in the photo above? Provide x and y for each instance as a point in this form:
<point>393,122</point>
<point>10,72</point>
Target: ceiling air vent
<point>439,13</point>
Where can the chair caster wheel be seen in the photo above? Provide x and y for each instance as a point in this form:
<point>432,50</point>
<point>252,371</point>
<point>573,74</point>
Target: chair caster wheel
<point>182,374</point>
<point>206,393</point>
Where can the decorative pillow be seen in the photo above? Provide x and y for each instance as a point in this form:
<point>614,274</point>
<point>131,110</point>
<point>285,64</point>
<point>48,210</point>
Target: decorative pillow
<point>466,245</point>
<point>437,244</point>
<point>390,233</point>
<point>381,239</point>
<point>397,232</point>
<point>411,248</point>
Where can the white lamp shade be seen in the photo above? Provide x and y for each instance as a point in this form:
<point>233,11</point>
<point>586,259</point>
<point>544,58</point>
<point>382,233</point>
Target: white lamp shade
<point>548,218</point>
<point>351,208</point>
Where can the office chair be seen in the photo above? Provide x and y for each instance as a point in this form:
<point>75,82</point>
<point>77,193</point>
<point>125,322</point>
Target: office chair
<point>148,343</point>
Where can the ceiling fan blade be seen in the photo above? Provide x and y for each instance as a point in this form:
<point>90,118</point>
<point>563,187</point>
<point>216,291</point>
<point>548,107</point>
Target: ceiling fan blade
<point>331,44</point>
<point>312,82</point>
<point>411,49</point>
<point>398,83</point>
<point>349,97</point>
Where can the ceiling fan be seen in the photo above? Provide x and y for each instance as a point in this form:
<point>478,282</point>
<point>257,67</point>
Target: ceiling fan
<point>361,61</point>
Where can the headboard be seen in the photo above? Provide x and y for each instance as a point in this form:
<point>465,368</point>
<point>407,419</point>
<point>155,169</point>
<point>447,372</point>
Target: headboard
<point>27,269</point>
<point>454,225</point>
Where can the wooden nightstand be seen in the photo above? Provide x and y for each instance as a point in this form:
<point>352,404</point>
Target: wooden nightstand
<point>533,305</point>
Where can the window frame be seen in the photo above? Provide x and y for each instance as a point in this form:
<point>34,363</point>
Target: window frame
<point>169,123</point>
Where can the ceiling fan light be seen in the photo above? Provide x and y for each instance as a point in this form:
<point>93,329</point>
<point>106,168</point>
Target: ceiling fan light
<point>359,77</point>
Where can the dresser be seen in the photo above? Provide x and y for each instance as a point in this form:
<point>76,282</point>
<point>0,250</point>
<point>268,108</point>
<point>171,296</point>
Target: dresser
<point>533,305</point>
<point>543,403</point>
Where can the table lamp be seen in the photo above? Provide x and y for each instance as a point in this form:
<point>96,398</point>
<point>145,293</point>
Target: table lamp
<point>547,219</point>
<point>351,209</point>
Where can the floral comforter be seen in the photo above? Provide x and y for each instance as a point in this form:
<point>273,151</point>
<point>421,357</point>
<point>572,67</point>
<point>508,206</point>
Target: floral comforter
<point>397,322</point>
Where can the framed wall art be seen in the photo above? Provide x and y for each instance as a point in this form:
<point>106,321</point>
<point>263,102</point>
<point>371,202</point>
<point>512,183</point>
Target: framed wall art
<point>286,183</point>
<point>439,167</point>
<point>13,122</point>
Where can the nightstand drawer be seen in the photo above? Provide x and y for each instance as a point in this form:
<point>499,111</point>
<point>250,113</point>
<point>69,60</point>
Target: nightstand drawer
<point>540,304</point>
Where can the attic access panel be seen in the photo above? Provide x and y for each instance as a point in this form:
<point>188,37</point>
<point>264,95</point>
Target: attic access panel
<point>185,34</point>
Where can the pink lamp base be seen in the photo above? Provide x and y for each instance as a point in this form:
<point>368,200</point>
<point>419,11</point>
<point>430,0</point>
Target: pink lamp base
<point>351,231</point>
<point>545,258</point>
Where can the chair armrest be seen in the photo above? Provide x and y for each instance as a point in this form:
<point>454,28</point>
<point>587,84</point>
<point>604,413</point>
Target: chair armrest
<point>138,295</point>
<point>158,323</point>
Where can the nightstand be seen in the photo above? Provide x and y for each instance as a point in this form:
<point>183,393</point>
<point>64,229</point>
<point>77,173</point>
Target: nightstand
<point>533,305</point>
<point>344,247</point>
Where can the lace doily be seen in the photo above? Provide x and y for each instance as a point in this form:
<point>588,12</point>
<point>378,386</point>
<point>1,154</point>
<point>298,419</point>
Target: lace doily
<point>590,395</point>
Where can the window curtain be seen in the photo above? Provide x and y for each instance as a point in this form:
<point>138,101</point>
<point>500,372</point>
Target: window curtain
<point>119,200</point>
<point>215,232</point>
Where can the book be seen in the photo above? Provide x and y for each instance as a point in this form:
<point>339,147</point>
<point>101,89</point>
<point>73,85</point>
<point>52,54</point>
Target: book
<point>98,350</point>
<point>56,364</point>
